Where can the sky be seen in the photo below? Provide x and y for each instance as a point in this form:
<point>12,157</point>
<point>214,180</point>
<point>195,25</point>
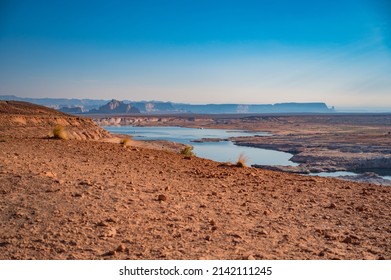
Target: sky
<point>199,51</point>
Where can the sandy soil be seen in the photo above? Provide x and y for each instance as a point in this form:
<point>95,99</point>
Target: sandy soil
<point>90,200</point>
<point>84,199</point>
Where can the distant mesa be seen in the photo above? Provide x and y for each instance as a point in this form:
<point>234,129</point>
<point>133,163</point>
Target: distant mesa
<point>71,110</point>
<point>255,108</point>
<point>91,106</point>
<point>115,107</point>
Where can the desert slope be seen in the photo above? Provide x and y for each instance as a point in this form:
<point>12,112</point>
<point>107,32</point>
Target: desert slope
<point>21,119</point>
<point>97,200</point>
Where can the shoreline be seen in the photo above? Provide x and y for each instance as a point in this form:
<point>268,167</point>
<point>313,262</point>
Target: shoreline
<point>308,163</point>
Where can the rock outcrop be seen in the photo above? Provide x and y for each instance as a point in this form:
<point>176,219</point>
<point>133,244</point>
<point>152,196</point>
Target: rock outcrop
<point>34,121</point>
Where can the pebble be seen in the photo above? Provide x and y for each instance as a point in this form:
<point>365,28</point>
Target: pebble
<point>347,240</point>
<point>332,206</point>
<point>110,253</point>
<point>120,248</point>
<point>85,183</point>
<point>162,197</point>
<point>102,224</point>
<point>111,220</point>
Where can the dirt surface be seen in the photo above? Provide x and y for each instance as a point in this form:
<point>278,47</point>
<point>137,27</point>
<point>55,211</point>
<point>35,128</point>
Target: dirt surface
<point>84,199</point>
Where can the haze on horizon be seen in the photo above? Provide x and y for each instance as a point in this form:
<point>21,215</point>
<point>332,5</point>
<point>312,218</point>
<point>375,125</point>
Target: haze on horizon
<point>247,51</point>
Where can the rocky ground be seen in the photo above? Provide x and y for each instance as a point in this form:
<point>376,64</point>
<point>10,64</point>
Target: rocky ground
<point>85,199</point>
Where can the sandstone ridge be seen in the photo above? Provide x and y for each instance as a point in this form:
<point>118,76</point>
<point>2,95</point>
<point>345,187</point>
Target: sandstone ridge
<point>25,120</point>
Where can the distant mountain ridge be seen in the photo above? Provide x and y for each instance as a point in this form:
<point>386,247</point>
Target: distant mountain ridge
<point>92,106</point>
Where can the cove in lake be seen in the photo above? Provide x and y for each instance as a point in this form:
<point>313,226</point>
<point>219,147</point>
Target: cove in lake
<point>223,151</point>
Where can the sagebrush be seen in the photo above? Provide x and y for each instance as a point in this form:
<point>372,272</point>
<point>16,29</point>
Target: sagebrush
<point>242,160</point>
<point>126,141</point>
<point>187,151</point>
<point>59,133</point>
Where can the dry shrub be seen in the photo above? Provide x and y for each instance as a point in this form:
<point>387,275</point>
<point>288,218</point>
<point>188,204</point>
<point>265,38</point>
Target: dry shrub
<point>126,141</point>
<point>187,151</point>
<point>242,160</point>
<point>59,133</point>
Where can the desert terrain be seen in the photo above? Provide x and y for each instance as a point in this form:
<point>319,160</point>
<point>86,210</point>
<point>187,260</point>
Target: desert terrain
<point>91,197</point>
<point>319,143</point>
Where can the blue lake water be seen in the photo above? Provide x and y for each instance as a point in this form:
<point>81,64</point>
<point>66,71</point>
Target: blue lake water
<point>224,151</point>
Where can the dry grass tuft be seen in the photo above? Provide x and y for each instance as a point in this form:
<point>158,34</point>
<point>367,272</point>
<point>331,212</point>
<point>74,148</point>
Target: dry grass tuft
<point>59,133</point>
<point>187,151</point>
<point>242,160</point>
<point>126,141</point>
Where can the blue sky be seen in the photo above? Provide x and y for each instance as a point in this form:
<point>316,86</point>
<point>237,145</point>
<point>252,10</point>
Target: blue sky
<point>245,51</point>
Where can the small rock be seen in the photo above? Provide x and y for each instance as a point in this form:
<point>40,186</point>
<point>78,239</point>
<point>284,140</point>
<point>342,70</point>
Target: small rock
<point>110,232</point>
<point>120,248</point>
<point>102,224</point>
<point>234,235</point>
<point>50,174</point>
<point>85,183</point>
<point>347,240</point>
<point>162,197</point>
<point>250,257</point>
<point>111,220</point>
<point>332,206</point>
<point>208,238</point>
<point>361,208</point>
<point>110,253</point>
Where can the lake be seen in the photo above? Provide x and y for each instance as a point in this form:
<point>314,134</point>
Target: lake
<point>223,151</point>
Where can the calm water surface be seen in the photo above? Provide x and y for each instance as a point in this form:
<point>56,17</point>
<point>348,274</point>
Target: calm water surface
<point>224,151</point>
